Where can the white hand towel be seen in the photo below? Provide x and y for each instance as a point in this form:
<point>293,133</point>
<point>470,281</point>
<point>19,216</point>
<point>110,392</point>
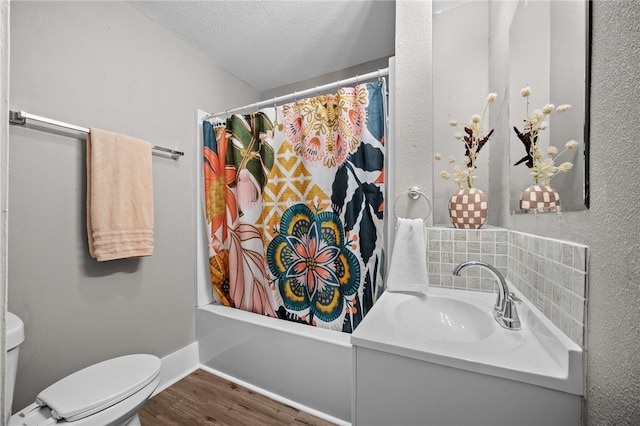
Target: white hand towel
<point>408,269</point>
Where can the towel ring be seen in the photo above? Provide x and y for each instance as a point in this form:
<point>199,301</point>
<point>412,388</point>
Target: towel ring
<point>414,193</point>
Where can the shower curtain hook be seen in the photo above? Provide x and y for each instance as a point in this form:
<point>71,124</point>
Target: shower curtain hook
<point>379,75</point>
<point>295,96</point>
<point>357,79</point>
<point>274,102</point>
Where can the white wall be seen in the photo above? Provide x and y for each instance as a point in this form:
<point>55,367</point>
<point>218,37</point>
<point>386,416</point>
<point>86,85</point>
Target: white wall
<point>4,190</point>
<point>610,227</point>
<point>101,64</point>
<point>329,78</point>
<point>460,89</point>
<point>413,143</point>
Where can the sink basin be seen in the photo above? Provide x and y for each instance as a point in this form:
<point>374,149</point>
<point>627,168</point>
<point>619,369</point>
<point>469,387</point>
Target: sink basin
<point>444,319</point>
<point>456,328</point>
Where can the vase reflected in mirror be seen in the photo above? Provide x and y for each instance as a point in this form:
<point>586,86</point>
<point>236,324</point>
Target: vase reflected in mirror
<point>539,198</point>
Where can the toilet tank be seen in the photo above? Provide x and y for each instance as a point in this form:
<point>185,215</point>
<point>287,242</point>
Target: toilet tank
<point>15,336</point>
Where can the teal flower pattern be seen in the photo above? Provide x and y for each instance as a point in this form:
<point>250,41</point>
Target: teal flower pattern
<point>311,260</point>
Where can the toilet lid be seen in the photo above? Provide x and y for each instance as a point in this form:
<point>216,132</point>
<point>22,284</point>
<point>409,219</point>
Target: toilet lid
<point>99,386</point>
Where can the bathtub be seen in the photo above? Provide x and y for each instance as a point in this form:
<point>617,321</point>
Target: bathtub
<point>306,367</point>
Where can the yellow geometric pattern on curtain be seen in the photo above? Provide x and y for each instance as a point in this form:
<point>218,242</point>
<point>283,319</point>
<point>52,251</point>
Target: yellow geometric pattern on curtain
<point>289,182</point>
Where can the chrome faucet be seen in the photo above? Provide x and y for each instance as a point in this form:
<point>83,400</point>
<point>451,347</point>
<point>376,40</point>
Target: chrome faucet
<point>504,311</point>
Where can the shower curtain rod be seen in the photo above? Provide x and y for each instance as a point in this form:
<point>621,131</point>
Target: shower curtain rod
<point>21,117</point>
<point>357,79</point>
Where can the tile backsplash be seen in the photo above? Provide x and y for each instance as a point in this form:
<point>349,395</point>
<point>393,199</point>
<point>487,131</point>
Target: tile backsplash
<point>447,247</point>
<point>551,273</point>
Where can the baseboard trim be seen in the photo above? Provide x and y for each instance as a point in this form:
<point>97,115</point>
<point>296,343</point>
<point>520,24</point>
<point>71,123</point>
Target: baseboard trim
<point>185,361</point>
<point>178,365</point>
<point>276,397</point>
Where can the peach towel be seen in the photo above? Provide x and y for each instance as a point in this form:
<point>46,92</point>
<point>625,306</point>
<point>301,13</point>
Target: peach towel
<point>119,196</point>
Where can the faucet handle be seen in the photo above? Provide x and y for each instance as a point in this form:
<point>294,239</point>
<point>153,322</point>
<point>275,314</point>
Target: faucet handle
<point>513,298</point>
<point>510,317</point>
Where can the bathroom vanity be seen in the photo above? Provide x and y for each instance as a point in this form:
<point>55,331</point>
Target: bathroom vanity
<point>440,358</point>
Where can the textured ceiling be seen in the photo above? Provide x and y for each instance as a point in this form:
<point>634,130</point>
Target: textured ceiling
<point>273,43</point>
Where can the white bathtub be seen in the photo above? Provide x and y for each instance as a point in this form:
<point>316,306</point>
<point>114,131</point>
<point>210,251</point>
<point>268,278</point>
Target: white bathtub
<point>307,367</point>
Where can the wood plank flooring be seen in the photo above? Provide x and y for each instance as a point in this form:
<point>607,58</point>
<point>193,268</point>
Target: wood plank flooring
<point>202,398</point>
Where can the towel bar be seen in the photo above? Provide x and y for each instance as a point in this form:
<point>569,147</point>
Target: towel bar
<point>20,118</point>
<point>414,193</point>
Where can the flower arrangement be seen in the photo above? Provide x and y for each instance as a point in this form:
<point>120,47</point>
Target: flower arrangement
<point>474,139</point>
<point>542,165</point>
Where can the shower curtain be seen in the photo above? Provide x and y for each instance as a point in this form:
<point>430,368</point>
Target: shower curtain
<point>294,207</point>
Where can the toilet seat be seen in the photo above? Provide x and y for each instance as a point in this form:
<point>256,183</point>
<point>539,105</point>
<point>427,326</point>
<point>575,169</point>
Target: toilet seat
<point>107,390</point>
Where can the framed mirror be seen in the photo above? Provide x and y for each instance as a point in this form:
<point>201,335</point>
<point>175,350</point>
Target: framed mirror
<point>482,46</point>
<point>549,64</point>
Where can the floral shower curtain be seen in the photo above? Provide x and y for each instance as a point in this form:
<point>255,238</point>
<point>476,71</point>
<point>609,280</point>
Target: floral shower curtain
<point>294,207</point>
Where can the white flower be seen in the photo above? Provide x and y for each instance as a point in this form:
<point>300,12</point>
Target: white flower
<point>543,164</point>
<point>546,167</point>
<point>538,115</point>
<point>571,144</point>
<point>565,167</point>
<point>473,136</point>
<point>438,157</point>
<point>457,175</point>
<point>445,175</point>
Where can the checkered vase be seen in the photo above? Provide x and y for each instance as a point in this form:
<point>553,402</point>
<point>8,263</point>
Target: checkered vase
<point>540,198</point>
<point>468,208</point>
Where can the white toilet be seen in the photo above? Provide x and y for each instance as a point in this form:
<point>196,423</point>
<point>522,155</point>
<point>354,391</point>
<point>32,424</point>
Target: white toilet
<point>108,393</point>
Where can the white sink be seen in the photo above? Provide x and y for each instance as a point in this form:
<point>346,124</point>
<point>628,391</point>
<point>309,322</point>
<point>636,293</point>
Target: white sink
<point>456,328</point>
<point>443,318</point>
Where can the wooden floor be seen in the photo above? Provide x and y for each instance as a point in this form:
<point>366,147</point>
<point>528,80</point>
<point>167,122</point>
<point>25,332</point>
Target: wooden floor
<point>204,399</point>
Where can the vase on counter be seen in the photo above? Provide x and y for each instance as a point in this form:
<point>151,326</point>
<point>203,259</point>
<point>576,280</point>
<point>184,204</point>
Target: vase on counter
<point>468,208</point>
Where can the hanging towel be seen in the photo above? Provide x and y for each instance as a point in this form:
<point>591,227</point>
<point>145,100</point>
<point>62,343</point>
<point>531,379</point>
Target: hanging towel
<point>119,196</point>
<point>408,269</point>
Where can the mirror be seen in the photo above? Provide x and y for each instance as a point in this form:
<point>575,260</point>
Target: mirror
<point>543,45</point>
<point>548,53</point>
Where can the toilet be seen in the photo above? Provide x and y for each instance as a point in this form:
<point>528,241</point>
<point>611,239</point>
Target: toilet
<point>107,393</point>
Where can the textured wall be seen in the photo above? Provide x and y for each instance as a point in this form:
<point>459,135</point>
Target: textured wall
<point>4,188</point>
<point>101,64</point>
<point>413,143</point>
<point>610,227</point>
